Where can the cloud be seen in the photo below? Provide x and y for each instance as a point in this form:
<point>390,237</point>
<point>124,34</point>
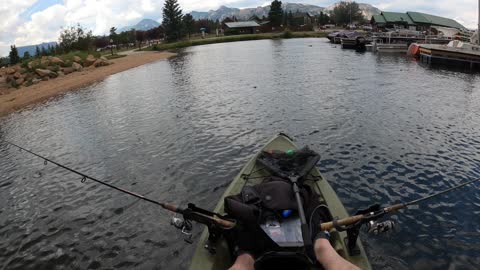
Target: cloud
<point>99,15</point>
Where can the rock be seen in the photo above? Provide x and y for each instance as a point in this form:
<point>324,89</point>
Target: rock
<point>10,71</point>
<point>76,66</point>
<point>17,68</point>
<point>57,61</point>
<point>100,63</point>
<point>9,78</point>
<point>44,62</point>
<point>68,70</point>
<point>77,59</point>
<point>60,74</point>
<point>89,60</point>
<point>30,64</point>
<point>23,70</point>
<point>43,72</point>
<point>53,68</point>
<point>35,80</point>
<point>104,58</point>
<point>45,78</point>
<point>17,75</point>
<point>20,81</point>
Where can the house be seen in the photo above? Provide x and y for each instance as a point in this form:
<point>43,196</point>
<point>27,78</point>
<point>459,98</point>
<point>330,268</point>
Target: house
<point>412,21</point>
<point>238,28</point>
<point>302,18</point>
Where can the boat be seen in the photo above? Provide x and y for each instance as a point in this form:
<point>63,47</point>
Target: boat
<point>252,173</point>
<point>356,43</point>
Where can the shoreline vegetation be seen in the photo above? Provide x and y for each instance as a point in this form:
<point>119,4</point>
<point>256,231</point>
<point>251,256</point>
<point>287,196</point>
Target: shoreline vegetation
<point>234,38</point>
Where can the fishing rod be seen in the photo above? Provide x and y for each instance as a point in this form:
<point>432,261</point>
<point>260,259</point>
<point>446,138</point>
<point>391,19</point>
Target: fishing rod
<point>214,221</point>
<point>374,212</point>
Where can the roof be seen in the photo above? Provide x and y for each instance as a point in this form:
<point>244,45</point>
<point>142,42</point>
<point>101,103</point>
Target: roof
<point>242,24</point>
<point>418,17</point>
<point>378,19</point>
<point>397,17</point>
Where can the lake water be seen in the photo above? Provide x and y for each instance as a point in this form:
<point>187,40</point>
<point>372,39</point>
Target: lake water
<point>388,130</point>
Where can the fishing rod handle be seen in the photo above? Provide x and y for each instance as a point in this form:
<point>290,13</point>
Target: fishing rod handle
<point>328,226</point>
<point>224,223</point>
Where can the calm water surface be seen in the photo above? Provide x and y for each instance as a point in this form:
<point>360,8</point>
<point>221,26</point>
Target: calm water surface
<point>179,130</point>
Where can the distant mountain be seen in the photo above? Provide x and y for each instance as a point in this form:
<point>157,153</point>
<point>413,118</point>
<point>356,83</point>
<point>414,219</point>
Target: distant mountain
<point>31,49</point>
<point>244,14</point>
<point>143,25</point>
<point>367,10</point>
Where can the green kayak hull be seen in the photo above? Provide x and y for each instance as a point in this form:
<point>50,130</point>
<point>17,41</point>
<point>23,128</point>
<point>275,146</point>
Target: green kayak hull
<point>203,260</point>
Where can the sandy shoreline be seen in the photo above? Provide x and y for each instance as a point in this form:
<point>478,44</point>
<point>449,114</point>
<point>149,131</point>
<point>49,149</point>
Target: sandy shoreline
<point>25,96</point>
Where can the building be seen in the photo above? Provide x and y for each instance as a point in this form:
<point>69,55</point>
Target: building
<point>302,18</point>
<point>238,28</point>
<point>412,21</point>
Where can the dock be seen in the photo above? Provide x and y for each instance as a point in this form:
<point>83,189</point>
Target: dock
<point>431,54</point>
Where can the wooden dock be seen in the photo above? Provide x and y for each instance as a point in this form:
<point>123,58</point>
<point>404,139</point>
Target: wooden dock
<point>431,54</point>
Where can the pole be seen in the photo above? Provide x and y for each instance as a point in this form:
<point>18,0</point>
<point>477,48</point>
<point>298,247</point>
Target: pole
<point>327,226</point>
<point>478,28</point>
<point>167,206</point>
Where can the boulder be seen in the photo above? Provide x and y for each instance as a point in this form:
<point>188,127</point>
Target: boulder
<point>68,70</point>
<point>89,60</point>
<point>57,61</point>
<point>77,59</point>
<point>103,58</point>
<point>43,72</point>
<point>9,78</point>
<point>60,74</point>
<point>76,66</point>
<point>100,63</point>
<point>45,78</point>
<point>53,68</point>
<point>35,80</point>
<point>10,71</point>
<point>19,81</point>
<point>30,64</point>
<point>44,62</point>
<point>17,75</point>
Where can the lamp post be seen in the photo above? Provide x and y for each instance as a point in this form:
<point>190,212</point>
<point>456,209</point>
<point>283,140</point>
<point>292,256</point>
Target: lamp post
<point>111,45</point>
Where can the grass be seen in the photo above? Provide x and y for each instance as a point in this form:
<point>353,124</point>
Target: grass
<point>110,57</point>
<point>196,42</point>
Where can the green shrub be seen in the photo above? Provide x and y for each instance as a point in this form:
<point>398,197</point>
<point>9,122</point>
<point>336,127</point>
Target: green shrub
<point>287,34</point>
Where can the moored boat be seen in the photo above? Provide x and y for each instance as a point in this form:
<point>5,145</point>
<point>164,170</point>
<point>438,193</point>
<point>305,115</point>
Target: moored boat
<point>253,173</point>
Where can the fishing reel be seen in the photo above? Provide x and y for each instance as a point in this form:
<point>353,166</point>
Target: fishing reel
<point>377,228</point>
<point>185,226</point>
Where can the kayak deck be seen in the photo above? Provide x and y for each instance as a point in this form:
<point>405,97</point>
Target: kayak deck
<point>202,259</point>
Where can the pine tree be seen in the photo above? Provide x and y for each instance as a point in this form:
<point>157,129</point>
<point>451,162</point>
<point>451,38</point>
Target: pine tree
<point>37,51</point>
<point>188,23</point>
<point>26,55</point>
<point>276,13</point>
<point>14,58</point>
<point>172,20</point>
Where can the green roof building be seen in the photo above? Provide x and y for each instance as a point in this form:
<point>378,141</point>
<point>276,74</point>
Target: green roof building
<point>412,20</point>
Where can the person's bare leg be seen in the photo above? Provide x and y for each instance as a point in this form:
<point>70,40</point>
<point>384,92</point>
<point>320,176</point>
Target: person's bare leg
<point>243,262</point>
<point>329,258</point>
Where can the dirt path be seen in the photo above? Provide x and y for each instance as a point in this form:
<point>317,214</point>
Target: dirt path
<point>24,96</point>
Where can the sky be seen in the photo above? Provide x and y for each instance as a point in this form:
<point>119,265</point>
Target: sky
<point>29,22</point>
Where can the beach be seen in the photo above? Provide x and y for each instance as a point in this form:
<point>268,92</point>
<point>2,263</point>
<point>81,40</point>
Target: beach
<point>24,96</point>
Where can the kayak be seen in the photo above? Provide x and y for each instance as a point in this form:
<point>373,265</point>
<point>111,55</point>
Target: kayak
<point>222,259</point>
